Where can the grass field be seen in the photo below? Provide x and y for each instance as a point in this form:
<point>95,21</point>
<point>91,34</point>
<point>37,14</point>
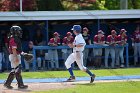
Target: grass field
<point>114,87</point>
<point>55,74</point>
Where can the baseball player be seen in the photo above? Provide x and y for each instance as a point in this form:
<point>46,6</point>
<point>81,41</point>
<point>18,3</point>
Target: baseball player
<point>53,54</point>
<point>99,40</point>
<point>67,40</point>
<point>136,41</point>
<point>15,58</point>
<point>86,37</point>
<point>77,55</point>
<point>121,40</point>
<point>111,41</point>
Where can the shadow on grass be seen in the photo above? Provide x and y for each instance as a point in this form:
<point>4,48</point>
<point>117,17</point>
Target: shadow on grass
<point>86,84</point>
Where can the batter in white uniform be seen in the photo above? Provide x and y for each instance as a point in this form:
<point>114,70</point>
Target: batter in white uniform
<point>77,55</point>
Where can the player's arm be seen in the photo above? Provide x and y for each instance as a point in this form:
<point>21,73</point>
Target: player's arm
<point>78,45</point>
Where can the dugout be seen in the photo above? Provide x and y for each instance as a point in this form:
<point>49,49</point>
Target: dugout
<point>62,21</point>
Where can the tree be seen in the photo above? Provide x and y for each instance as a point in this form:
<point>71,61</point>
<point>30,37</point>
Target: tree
<point>49,5</point>
<point>14,5</point>
<point>134,4</point>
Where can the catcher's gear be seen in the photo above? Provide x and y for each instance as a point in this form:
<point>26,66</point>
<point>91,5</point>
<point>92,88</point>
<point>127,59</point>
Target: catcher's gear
<point>28,57</point>
<point>16,31</point>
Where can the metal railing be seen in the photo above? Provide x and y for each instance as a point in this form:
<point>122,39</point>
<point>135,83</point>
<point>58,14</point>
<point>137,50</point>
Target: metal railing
<point>66,47</point>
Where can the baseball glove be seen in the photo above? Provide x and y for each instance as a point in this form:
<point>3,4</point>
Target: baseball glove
<point>28,57</point>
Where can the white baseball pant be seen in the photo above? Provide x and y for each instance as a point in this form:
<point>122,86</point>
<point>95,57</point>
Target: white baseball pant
<point>78,57</point>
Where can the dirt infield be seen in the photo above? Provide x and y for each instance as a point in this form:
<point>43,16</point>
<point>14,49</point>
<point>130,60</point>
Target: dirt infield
<point>51,86</point>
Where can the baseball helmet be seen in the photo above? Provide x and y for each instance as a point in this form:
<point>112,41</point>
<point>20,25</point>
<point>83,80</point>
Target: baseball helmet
<point>16,31</point>
<point>77,28</point>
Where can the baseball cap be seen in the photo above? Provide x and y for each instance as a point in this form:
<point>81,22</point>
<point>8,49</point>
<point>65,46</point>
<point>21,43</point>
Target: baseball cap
<point>113,32</point>
<point>85,29</point>
<point>56,34</point>
<point>76,28</point>
<point>122,30</point>
<point>69,33</point>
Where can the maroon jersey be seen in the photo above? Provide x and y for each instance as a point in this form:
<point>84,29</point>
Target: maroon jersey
<point>98,40</point>
<point>136,37</point>
<point>67,40</point>
<point>112,40</point>
<point>121,40</point>
<point>13,44</point>
<point>54,41</point>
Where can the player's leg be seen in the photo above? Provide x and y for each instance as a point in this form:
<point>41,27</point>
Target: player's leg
<point>39,62</point>
<point>18,75</point>
<point>68,63</point>
<point>117,56</point>
<point>112,52</point>
<point>11,75</point>
<point>79,61</point>
<point>107,50</point>
<point>121,56</point>
<point>56,59</point>
<point>0,61</point>
<point>19,78</point>
<point>135,53</point>
<point>26,66</point>
<point>139,51</point>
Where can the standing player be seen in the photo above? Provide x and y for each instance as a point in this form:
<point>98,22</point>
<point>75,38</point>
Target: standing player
<point>136,40</point>
<point>77,55</point>
<point>111,41</point>
<point>53,54</point>
<point>121,40</point>
<point>99,40</point>
<point>86,37</point>
<point>15,58</point>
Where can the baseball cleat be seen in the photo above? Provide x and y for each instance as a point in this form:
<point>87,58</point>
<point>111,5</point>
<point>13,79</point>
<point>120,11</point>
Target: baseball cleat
<point>22,86</point>
<point>71,79</point>
<point>92,78</point>
<point>8,86</point>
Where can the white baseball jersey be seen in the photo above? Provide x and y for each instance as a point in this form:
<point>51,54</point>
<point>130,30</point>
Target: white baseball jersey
<point>77,54</point>
<point>79,40</point>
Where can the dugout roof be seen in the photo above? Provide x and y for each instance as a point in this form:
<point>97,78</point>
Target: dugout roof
<point>69,15</point>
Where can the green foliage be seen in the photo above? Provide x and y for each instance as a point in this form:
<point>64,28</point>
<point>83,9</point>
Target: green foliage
<point>60,5</point>
<point>49,5</point>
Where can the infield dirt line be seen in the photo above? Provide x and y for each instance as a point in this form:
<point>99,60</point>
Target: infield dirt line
<point>53,86</point>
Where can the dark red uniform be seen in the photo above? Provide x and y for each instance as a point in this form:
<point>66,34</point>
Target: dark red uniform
<point>111,40</point>
<point>67,41</point>
<point>136,37</point>
<point>98,40</point>
<point>13,44</point>
<point>54,41</point>
<point>121,40</point>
